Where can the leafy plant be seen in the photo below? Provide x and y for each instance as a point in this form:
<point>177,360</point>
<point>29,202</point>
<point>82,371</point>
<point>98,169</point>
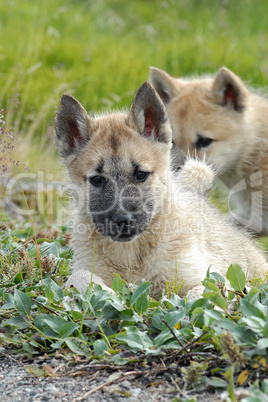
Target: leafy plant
<point>215,345</point>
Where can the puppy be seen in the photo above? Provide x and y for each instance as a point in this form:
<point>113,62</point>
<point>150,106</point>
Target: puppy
<point>220,119</point>
<point>134,216</point>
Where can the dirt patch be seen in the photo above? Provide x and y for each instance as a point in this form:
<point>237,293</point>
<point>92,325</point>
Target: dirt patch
<point>53,379</point>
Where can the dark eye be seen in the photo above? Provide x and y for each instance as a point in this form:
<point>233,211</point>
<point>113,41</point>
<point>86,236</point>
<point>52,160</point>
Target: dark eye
<point>202,142</point>
<point>141,175</point>
<point>97,180</point>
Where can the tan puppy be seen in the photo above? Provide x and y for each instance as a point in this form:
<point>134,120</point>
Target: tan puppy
<point>134,217</point>
<point>220,119</point>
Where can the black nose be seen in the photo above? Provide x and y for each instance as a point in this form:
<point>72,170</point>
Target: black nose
<point>122,219</point>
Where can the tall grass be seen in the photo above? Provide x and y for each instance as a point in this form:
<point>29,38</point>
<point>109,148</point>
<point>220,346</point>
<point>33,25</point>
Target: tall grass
<point>100,51</point>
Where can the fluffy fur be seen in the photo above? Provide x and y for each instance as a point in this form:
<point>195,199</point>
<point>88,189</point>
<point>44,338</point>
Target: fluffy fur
<point>142,219</point>
<point>220,119</point>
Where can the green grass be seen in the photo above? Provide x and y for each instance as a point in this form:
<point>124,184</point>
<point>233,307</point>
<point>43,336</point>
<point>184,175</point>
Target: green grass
<point>100,52</point>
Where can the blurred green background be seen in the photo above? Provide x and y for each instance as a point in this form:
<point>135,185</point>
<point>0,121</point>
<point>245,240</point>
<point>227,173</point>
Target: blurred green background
<point>100,51</point>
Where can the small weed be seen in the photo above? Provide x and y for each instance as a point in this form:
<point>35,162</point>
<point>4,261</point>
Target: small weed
<point>174,286</point>
<point>7,148</point>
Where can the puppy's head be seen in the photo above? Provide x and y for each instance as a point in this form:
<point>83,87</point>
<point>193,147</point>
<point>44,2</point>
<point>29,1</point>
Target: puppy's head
<point>207,116</point>
<point>120,161</point>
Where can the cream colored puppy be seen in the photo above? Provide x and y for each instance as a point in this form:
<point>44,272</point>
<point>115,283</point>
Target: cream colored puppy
<point>218,118</point>
<point>135,217</point>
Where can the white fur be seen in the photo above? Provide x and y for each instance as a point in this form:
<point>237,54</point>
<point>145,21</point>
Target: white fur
<point>238,126</point>
<point>193,236</point>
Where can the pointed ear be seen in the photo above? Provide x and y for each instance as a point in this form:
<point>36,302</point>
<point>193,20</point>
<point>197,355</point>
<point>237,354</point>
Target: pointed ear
<point>163,83</point>
<point>72,126</point>
<point>148,115</point>
<point>229,91</point>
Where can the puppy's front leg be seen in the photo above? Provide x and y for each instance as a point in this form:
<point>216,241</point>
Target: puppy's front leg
<point>81,280</point>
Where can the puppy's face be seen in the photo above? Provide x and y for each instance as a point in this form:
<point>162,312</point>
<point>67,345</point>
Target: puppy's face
<point>206,115</point>
<point>121,174</point>
<point>120,162</point>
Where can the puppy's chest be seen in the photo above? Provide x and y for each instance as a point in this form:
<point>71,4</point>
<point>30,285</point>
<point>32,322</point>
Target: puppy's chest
<point>132,265</point>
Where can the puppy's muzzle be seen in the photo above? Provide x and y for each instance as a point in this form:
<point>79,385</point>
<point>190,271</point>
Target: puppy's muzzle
<point>122,220</point>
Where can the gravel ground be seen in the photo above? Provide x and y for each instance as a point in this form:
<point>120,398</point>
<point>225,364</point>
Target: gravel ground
<point>85,381</point>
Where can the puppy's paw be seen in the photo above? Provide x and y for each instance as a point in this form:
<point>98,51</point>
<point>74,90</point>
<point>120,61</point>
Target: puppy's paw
<point>196,176</point>
<point>81,280</point>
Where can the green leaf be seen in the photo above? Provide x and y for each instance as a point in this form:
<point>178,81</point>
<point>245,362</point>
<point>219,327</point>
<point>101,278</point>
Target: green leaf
<point>42,240</point>
<point>265,330</point>
<point>116,303</point>
<point>100,346</point>
<point>173,318</point>
<point>254,323</point>
<point>38,321</point>
<point>217,382</point>
<point>245,335</point>
<point>32,252</point>
<point>23,234</point>
<point>8,338</point>
<point>210,285</point>
<point>236,277</point>
<point>262,345</point>
<point>77,316</point>
<point>58,344</point>
<point>114,377</point>
<point>248,309</point>
<point>176,300</point>
<point>22,302</point>
<point>208,272</point>
<point>98,299</point>
<point>18,278</point>
<point>35,371</point>
<point>217,277</point>
<point>118,360</point>
<point>264,386</point>
<point>49,293</point>
<point>78,346</point>
<point>135,339</point>
<point>198,303</point>
<point>157,321</point>
<point>27,347</point>
<point>253,294</point>
<point>128,315</point>
<point>17,322</point>
<point>197,317</point>
<point>216,298</point>
<point>57,290</point>
<point>143,288</point>
<point>118,284</point>
<point>231,295</point>
<point>50,248</point>
<point>162,338</point>
<point>67,329</point>
<point>225,324</point>
<point>52,290</point>
<point>9,302</point>
<point>229,375</point>
<point>211,317</point>
<point>54,322</point>
<point>142,304</point>
<point>263,308</point>
<point>41,299</point>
